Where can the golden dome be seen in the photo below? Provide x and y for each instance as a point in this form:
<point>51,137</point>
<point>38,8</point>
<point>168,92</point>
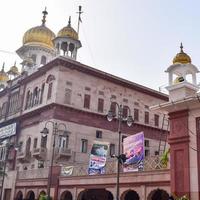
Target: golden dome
<point>14,70</point>
<point>39,35</point>
<point>3,75</point>
<point>68,31</point>
<point>182,57</point>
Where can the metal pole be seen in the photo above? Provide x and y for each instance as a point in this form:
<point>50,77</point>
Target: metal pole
<point>51,164</point>
<point>119,149</point>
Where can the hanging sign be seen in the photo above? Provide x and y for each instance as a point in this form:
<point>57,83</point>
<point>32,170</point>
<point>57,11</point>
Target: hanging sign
<point>134,150</point>
<point>7,131</point>
<point>98,158</point>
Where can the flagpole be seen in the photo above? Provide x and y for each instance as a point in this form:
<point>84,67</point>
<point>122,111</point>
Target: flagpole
<point>79,18</point>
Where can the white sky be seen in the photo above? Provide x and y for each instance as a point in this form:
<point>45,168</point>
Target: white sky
<point>133,39</point>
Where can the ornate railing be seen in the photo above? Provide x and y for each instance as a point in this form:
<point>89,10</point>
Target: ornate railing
<point>34,173</point>
<point>150,164</point>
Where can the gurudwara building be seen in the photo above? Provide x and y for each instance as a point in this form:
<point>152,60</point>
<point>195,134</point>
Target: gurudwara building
<point>55,92</point>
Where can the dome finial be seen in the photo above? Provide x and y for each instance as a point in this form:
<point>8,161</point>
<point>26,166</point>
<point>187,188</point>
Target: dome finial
<point>44,16</point>
<point>2,70</point>
<point>181,47</point>
<point>69,22</point>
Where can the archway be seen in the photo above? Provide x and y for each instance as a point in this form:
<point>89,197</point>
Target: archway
<point>41,195</point>
<point>131,195</point>
<point>158,194</point>
<point>19,196</point>
<point>30,195</point>
<point>66,195</point>
<point>95,194</point>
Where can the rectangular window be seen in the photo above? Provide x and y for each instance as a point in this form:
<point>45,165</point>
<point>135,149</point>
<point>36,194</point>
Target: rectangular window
<point>113,108</point>
<point>98,134</point>
<point>44,141</point>
<point>49,93</point>
<point>63,142</point>
<point>156,119</point>
<point>125,112</point>
<point>87,101</point>
<point>146,117</point>
<point>35,143</point>
<point>100,105</point>
<point>68,94</point>
<point>84,144</point>
<point>146,143</point>
<point>147,152</point>
<point>40,164</point>
<point>136,114</point>
<point>112,149</point>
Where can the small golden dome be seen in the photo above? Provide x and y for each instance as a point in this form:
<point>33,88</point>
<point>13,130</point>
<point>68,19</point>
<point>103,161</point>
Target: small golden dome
<point>39,35</point>
<point>68,31</point>
<point>182,57</point>
<point>3,75</point>
<point>13,70</point>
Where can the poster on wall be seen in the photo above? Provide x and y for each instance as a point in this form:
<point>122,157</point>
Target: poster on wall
<point>67,170</point>
<point>133,148</point>
<point>98,156</point>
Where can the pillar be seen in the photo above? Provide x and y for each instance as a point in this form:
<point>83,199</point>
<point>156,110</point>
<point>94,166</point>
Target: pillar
<point>179,153</point>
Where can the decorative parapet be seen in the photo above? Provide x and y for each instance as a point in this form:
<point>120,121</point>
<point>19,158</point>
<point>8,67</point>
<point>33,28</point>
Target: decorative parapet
<point>151,163</point>
<point>33,174</point>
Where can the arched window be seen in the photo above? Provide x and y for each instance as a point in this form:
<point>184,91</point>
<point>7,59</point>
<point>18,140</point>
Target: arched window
<point>43,60</point>
<point>42,92</point>
<point>27,100</point>
<point>71,48</point>
<point>28,146</point>
<point>50,80</point>
<point>64,47</point>
<point>33,58</point>
<point>35,96</point>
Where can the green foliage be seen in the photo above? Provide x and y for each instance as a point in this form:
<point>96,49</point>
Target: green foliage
<point>184,197</point>
<point>165,158</point>
<point>43,197</point>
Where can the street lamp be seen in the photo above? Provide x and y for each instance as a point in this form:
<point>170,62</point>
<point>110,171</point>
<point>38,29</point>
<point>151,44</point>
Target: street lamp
<point>45,132</point>
<point>129,120</point>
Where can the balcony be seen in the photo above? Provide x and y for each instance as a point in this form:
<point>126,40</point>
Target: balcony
<point>24,157</point>
<point>40,153</point>
<point>62,153</point>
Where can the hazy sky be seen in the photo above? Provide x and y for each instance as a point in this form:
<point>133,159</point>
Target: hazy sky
<point>133,39</point>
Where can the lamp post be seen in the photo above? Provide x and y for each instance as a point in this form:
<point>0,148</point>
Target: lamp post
<point>129,120</point>
<point>45,132</point>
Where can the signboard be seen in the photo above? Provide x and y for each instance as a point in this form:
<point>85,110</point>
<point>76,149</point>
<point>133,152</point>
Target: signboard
<point>67,170</point>
<point>134,150</point>
<point>7,131</point>
<point>98,158</point>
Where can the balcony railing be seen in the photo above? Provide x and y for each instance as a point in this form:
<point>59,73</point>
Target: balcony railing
<point>39,153</point>
<point>62,153</point>
<point>150,164</point>
<point>24,156</point>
